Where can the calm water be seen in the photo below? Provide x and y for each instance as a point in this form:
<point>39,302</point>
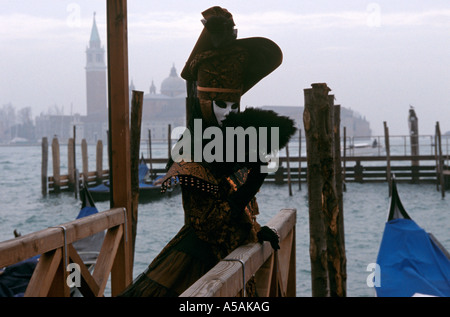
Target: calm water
<point>22,207</point>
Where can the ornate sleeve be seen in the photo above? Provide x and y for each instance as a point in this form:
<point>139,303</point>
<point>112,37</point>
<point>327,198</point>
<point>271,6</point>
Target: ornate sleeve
<point>210,216</point>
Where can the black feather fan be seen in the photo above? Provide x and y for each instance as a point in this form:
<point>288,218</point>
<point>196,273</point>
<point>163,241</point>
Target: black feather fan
<point>256,117</point>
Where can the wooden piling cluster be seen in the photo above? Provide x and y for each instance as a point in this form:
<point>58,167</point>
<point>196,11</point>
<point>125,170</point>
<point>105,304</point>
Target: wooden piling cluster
<point>356,168</point>
<point>71,181</point>
<point>327,249</point>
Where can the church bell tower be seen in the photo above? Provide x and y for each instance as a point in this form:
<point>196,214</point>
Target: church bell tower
<point>96,89</point>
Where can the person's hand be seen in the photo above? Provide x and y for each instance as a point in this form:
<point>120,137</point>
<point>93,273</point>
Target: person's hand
<point>268,234</point>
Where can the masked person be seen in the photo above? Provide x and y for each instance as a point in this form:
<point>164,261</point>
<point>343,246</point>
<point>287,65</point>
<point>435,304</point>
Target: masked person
<point>219,195</point>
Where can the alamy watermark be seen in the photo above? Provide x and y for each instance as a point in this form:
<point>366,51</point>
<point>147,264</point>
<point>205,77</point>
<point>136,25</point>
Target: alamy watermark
<point>374,278</point>
<point>73,19</point>
<point>74,277</point>
<point>241,145</point>
<point>373,15</point>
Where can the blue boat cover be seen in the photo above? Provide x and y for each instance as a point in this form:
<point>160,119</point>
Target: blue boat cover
<point>100,188</point>
<point>87,211</point>
<point>410,262</point>
<point>143,170</point>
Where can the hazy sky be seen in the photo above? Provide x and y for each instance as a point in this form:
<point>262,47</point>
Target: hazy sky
<point>377,57</point>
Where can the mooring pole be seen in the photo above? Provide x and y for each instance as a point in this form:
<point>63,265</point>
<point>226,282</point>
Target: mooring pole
<point>413,123</point>
<point>288,170</point>
<point>70,166</point>
<point>119,134</point>
<point>299,159</point>
<point>326,251</point>
<point>441,160</point>
<point>99,162</point>
<point>136,119</point>
<point>44,166</point>
<point>75,171</point>
<point>340,236</point>
<point>150,153</point>
<point>388,156</point>
<point>85,161</point>
<point>169,141</point>
<point>344,165</point>
<point>56,165</point>
<point>334,221</point>
<point>318,243</point>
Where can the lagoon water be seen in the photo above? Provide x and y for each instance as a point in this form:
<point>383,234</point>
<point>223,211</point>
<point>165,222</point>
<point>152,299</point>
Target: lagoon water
<point>22,207</point>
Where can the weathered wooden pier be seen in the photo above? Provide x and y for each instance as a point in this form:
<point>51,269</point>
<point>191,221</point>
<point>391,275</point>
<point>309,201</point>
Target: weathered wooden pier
<point>72,179</point>
<point>432,167</point>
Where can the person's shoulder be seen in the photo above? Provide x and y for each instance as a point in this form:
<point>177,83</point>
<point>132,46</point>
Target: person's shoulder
<point>193,174</point>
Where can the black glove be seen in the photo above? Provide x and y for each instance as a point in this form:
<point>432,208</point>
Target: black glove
<point>267,234</point>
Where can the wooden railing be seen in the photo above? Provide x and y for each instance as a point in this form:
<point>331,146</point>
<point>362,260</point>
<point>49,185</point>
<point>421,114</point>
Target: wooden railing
<point>274,272</point>
<point>54,245</point>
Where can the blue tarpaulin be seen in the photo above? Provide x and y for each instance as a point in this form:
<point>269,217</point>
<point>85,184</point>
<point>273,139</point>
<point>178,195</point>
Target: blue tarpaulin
<point>143,170</point>
<point>410,262</point>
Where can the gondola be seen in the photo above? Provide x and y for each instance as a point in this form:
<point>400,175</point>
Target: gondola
<point>14,279</point>
<point>149,190</point>
<point>410,262</point>
<point>89,247</point>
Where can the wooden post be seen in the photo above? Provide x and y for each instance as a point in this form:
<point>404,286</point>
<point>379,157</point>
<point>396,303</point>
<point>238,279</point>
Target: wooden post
<point>169,141</point>
<point>414,140</point>
<point>388,156</point>
<point>136,119</point>
<point>75,171</point>
<point>288,170</point>
<point>315,101</point>
<point>119,134</point>
<point>44,166</point>
<point>340,237</point>
<point>331,209</point>
<point>99,162</point>
<point>326,250</point>
<point>70,164</point>
<point>337,147</point>
<point>150,153</point>
<point>436,157</point>
<point>85,161</point>
<point>344,187</point>
<point>299,159</point>
<point>441,160</point>
<point>56,166</point>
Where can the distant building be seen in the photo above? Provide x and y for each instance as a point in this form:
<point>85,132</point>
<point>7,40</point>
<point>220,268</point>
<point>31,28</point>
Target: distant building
<point>94,125</point>
<point>159,109</point>
<point>354,124</point>
<point>164,108</point>
<point>96,88</point>
<point>95,122</point>
<point>168,107</point>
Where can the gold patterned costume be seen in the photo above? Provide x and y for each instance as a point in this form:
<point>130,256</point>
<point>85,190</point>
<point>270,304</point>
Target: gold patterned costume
<point>218,198</point>
<point>210,232</point>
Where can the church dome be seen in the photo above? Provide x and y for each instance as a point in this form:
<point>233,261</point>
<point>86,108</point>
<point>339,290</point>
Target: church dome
<point>173,85</point>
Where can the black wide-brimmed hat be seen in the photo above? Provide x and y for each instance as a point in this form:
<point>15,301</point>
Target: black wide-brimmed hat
<point>225,67</point>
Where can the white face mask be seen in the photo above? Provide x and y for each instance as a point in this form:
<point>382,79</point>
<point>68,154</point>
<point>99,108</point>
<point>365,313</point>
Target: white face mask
<point>222,108</point>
